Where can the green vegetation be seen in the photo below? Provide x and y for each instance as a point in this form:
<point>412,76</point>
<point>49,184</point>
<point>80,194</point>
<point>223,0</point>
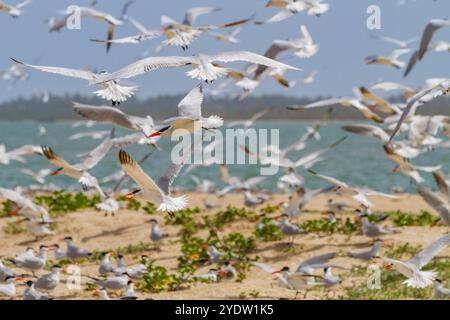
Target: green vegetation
<point>267,231</point>
<point>347,227</point>
<point>60,202</point>
<point>13,227</point>
<point>425,218</point>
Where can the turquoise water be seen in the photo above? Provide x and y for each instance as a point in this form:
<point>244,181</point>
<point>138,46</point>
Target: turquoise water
<point>358,160</point>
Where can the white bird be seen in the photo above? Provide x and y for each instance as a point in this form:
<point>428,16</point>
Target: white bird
<point>420,98</point>
<point>411,269</point>
<point>290,280</point>
<point>38,227</point>
<point>292,7</point>
<point>156,234</point>
<point>114,282</point>
<point>95,135</point>
<point>23,203</point>
<point>105,264</point>
<point>303,47</point>
<point>330,279</point>
<point>5,272</point>
<point>345,102</point>
<point>108,205</point>
<point>31,293</point>
<point>18,153</point>
<point>29,261</point>
<point>439,290</point>
<point>79,171</point>
<point>49,281</point>
<point>183,34</point>
<point>9,288</point>
<point>248,123</point>
<point>189,117</point>
<point>204,65</point>
<point>432,26</point>
<point>371,229</point>
<point>113,115</point>
<point>390,60</point>
<point>110,90</point>
<point>214,254</point>
<point>157,193</point>
<point>301,197</point>
<point>73,252</point>
<point>437,201</point>
<point>391,86</point>
<point>13,11</point>
<point>405,167</point>
<point>403,44</point>
<point>98,15</point>
<point>358,194</point>
<point>318,262</point>
<point>38,176</point>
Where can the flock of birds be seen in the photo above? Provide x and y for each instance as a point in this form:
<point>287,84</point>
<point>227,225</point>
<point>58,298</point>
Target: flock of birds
<point>388,119</point>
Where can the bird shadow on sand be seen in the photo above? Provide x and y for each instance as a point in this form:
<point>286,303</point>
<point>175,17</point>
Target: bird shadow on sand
<point>28,242</point>
<point>116,232</point>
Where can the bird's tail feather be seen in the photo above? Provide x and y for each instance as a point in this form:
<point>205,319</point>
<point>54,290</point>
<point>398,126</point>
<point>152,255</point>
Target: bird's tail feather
<point>171,204</point>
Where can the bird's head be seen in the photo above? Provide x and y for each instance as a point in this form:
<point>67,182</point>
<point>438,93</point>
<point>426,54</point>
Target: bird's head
<point>130,196</point>
<point>389,266</point>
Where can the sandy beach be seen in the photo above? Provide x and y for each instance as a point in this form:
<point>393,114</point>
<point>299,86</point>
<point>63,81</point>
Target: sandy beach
<point>92,230</point>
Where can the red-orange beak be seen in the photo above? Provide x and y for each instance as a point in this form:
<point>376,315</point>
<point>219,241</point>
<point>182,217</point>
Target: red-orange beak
<point>388,267</point>
<point>54,173</point>
<point>129,196</point>
<point>275,272</point>
<point>19,278</point>
<point>154,134</point>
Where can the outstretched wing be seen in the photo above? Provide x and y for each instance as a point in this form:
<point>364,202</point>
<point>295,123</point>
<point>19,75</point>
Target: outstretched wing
<point>74,73</point>
<point>134,170</point>
<point>191,104</point>
<point>425,256</point>
<point>174,169</point>
<point>55,159</point>
<point>96,155</point>
<point>250,57</point>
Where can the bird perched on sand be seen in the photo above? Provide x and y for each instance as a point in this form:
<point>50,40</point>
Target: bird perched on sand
<point>156,234</point>
<point>49,281</point>
<point>31,293</point>
<point>290,280</point>
<point>8,289</point>
<point>117,282</point>
<point>371,229</point>
<point>73,252</point>
<point>31,262</point>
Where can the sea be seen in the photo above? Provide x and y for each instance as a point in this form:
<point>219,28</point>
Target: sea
<point>358,161</point>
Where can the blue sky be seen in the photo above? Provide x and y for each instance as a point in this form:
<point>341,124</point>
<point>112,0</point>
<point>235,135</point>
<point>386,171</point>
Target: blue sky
<point>342,34</point>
